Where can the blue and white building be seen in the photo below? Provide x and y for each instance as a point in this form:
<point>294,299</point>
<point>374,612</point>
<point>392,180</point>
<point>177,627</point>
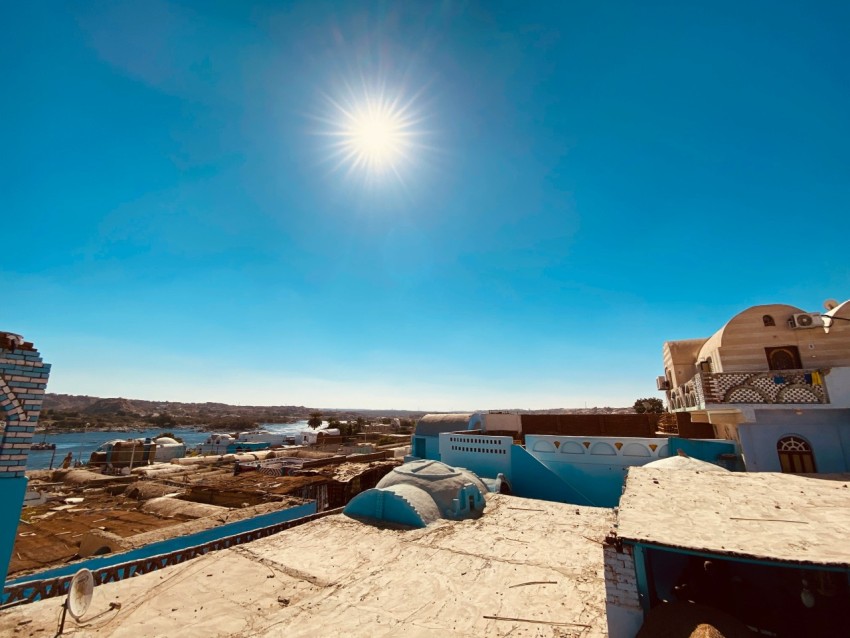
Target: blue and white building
<point>776,380</point>
<point>583,470</point>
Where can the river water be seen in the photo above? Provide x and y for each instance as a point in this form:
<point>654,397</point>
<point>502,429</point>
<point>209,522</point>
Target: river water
<point>82,444</point>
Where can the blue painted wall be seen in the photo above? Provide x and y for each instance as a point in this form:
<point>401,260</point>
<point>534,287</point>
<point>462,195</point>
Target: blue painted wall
<point>529,478</point>
<point>12,492</point>
<point>827,431</point>
<point>556,476</point>
<point>600,485</point>
<point>384,505</point>
<point>426,447</point>
<point>173,544</point>
<point>844,440</point>
<point>595,467</point>
<point>707,450</point>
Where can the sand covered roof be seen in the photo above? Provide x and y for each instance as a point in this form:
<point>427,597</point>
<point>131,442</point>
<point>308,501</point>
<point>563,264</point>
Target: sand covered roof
<point>536,567</point>
<point>685,463</point>
<point>779,517</point>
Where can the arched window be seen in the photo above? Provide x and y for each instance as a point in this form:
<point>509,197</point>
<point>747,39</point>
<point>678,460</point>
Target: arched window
<point>783,358</point>
<point>795,455</point>
<point>768,320</point>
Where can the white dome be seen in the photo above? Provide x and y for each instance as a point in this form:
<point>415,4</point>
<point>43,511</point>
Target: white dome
<point>421,492</point>
<point>442,482</point>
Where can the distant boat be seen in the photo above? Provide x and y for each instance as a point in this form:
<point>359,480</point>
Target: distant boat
<point>119,453</point>
<point>43,445</point>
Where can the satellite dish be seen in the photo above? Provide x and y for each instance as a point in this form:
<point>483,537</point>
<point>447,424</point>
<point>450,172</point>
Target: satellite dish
<point>79,597</point>
<point>80,593</point>
<point>829,304</point>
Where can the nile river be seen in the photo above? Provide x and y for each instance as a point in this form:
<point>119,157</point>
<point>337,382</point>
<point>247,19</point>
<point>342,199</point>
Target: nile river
<point>82,444</point>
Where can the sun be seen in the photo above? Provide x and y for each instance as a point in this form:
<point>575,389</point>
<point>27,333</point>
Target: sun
<point>374,134</point>
<point>375,137</point>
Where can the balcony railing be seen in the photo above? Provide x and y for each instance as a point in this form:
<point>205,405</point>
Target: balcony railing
<point>767,387</point>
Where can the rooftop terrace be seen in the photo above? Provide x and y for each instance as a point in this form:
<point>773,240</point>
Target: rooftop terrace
<point>768,516</point>
<point>526,568</point>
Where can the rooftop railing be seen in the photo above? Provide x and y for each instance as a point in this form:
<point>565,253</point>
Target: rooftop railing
<point>778,387</point>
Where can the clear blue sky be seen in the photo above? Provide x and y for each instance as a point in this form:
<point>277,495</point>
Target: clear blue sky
<point>589,180</point>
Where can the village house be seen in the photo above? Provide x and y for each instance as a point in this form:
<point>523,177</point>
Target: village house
<point>775,379</point>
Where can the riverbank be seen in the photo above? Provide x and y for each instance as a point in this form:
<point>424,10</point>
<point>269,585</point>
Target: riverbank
<point>81,444</point>
<point>141,427</point>
<point>144,426</point>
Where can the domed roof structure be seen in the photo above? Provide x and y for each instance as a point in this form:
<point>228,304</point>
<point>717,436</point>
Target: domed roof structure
<point>421,492</point>
<point>685,463</point>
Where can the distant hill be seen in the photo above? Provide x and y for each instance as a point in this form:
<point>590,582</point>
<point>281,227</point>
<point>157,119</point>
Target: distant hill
<point>112,406</point>
<point>67,402</point>
<point>119,406</point>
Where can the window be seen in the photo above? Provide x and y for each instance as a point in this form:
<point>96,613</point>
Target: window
<point>795,455</point>
<point>768,320</point>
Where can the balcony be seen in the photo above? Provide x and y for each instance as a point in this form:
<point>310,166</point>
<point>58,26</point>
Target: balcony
<point>777,387</point>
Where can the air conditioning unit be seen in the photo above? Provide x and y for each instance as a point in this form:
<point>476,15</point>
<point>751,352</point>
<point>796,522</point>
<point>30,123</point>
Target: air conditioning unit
<point>662,383</point>
<point>807,320</point>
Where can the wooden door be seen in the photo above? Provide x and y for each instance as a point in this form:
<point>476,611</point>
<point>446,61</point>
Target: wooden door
<point>795,455</point>
<point>784,358</point>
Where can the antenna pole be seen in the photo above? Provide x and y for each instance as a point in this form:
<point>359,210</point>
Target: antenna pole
<point>62,622</point>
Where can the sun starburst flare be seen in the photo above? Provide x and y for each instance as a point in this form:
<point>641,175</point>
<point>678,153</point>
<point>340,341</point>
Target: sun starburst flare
<point>374,134</point>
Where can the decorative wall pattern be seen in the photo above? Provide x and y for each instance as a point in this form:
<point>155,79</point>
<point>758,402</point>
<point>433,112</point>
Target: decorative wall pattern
<point>23,379</point>
<point>629,451</point>
<point>773,387</point>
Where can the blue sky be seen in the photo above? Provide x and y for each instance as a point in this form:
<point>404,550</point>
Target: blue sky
<point>589,179</point>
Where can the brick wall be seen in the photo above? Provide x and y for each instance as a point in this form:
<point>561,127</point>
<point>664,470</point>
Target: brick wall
<point>23,379</point>
<point>620,578</point>
<point>643,425</point>
<point>623,609</point>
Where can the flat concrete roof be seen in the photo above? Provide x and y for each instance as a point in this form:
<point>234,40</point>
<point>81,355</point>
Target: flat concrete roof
<point>536,566</point>
<point>432,424</point>
<point>762,515</point>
